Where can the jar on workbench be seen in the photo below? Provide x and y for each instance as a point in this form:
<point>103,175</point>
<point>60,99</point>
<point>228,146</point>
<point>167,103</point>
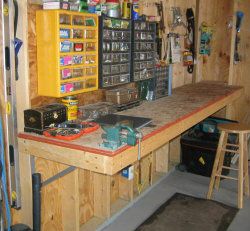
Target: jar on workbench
<point>113,8</point>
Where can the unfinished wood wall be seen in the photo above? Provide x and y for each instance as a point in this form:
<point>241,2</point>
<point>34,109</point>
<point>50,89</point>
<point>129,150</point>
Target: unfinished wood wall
<point>241,71</point>
<point>219,65</point>
<point>180,74</point>
<point>217,14</point>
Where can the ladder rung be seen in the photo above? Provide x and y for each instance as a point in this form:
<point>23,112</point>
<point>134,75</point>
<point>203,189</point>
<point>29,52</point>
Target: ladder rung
<point>229,150</point>
<point>226,177</point>
<point>233,145</point>
<point>226,167</point>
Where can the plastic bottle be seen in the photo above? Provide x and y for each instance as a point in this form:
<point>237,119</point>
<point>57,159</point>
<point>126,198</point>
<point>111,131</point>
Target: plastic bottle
<point>135,10</point>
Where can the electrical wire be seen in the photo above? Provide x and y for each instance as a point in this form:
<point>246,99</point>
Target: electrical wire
<point>4,181</point>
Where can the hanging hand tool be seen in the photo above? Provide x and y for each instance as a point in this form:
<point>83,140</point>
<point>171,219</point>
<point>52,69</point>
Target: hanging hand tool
<point>161,14</point>
<point>206,37</point>
<point>177,18</point>
<point>239,18</point>
<point>10,75</point>
<point>161,30</point>
<point>191,36</point>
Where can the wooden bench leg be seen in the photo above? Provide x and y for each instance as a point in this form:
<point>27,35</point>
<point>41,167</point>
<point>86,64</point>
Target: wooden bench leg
<point>240,173</point>
<point>102,187</point>
<point>215,167</point>
<point>246,173</point>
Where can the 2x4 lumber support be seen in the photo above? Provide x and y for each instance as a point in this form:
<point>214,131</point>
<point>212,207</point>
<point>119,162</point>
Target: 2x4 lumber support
<point>102,192</point>
<point>162,158</point>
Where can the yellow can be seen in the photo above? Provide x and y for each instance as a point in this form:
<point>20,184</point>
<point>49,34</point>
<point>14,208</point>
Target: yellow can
<point>71,103</point>
<point>126,9</point>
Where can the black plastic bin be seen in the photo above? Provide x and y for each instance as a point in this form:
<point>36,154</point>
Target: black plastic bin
<point>199,144</point>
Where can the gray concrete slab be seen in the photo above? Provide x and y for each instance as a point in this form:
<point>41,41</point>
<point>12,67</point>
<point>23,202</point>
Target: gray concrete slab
<point>182,182</point>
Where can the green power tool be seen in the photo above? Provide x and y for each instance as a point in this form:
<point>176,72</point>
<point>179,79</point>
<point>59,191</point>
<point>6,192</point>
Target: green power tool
<point>118,135</point>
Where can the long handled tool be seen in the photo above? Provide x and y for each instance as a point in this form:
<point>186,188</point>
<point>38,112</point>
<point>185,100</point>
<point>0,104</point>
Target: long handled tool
<point>11,47</point>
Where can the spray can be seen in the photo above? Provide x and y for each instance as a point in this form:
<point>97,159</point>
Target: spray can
<point>71,103</point>
<point>135,10</point>
<point>126,9</point>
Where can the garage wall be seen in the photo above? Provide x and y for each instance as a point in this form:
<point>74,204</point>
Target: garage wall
<point>217,14</point>
<point>241,71</point>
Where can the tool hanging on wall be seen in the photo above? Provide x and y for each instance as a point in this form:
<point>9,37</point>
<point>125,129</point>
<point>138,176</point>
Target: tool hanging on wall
<point>174,48</point>
<point>177,18</point>
<point>160,31</point>
<point>239,18</point>
<point>161,14</point>
<point>10,75</point>
<point>206,37</point>
<point>190,39</point>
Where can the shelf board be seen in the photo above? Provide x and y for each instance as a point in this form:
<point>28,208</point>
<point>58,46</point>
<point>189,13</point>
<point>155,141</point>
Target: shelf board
<point>115,63</point>
<point>79,40</point>
<point>116,29</point>
<point>78,66</point>
<point>77,79</point>
<point>144,40</point>
<point>78,53</point>
<point>66,26</point>
<point>149,31</point>
<point>78,91</point>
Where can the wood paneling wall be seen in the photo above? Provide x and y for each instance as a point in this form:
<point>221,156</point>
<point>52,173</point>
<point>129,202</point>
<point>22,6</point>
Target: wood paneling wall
<point>217,14</point>
<point>241,71</point>
<point>180,74</point>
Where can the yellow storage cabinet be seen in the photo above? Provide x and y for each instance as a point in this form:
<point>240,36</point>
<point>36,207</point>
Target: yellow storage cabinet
<point>67,52</point>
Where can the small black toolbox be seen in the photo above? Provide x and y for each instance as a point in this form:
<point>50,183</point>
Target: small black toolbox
<point>40,119</point>
<point>199,144</point>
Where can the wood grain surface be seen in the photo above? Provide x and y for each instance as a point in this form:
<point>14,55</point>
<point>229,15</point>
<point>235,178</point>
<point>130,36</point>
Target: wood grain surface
<point>185,102</point>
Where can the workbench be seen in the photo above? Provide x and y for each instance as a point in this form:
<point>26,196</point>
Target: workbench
<point>88,187</point>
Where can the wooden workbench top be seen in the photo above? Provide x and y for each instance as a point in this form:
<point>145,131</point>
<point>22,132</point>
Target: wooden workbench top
<point>165,112</point>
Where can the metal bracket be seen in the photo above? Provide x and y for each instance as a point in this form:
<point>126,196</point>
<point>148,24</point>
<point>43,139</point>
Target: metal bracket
<point>59,175</point>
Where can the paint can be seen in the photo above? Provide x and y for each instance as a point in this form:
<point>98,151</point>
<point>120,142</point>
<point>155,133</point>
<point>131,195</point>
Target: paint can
<point>113,8</point>
<point>71,103</point>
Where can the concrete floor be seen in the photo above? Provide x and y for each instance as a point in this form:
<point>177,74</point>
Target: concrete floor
<point>132,216</point>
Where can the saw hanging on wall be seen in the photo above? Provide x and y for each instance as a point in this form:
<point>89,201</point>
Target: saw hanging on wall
<point>239,18</point>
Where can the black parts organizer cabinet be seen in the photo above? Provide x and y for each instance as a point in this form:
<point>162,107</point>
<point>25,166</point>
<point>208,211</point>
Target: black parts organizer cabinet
<point>143,50</point>
<point>163,81</point>
<point>115,51</point>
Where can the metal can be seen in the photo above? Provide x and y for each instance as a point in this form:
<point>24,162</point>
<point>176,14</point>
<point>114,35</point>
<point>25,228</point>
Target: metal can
<point>126,9</point>
<point>71,103</point>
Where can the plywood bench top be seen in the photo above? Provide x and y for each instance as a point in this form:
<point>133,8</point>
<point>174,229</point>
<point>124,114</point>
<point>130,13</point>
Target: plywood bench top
<point>186,106</point>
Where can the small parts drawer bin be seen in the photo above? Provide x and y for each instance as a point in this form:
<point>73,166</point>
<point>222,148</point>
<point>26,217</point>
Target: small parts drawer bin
<point>122,95</point>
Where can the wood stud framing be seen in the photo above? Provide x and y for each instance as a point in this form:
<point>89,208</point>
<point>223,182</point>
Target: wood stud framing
<point>86,201</point>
